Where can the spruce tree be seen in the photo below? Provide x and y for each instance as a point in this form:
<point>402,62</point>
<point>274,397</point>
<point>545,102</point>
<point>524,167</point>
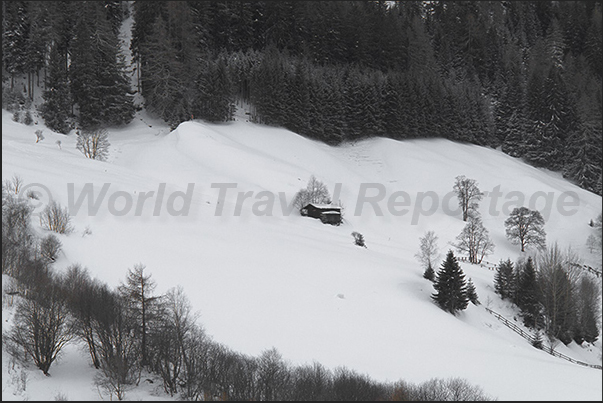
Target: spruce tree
<point>215,102</point>
<point>504,280</point>
<point>588,310</point>
<point>526,295</point>
<point>100,86</point>
<point>450,286</point>
<point>15,37</point>
<point>56,109</point>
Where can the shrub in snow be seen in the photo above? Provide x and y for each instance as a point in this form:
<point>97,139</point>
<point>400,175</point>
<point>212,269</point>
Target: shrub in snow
<point>50,247</point>
<point>55,218</point>
<point>31,194</point>
<point>358,239</point>
<point>87,231</point>
<point>39,136</point>
<point>94,144</point>
<point>14,185</point>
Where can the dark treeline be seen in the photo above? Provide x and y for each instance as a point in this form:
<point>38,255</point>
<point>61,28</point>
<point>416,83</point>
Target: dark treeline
<point>524,76</point>
<point>130,332</point>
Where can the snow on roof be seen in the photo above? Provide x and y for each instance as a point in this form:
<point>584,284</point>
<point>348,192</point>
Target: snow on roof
<point>321,206</point>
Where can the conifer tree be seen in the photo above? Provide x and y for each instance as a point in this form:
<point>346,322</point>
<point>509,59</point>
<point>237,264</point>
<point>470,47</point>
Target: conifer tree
<point>450,286</point>
<point>215,101</point>
<point>504,280</point>
<point>138,293</point>
<point>56,109</point>
<point>100,86</point>
<point>588,310</point>
<point>15,37</point>
<point>526,294</point>
<point>584,153</point>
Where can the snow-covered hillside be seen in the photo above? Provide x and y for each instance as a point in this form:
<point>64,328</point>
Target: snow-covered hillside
<point>261,278</point>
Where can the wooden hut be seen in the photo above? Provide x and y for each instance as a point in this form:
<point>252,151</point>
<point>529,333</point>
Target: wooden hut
<point>326,213</point>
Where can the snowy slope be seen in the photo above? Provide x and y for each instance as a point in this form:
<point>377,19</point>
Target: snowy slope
<point>285,281</point>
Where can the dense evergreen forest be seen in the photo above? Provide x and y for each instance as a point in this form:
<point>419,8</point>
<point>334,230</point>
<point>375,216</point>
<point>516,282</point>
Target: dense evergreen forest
<point>525,76</point>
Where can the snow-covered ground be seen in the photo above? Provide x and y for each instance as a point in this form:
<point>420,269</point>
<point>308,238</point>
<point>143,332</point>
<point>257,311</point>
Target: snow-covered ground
<point>261,278</point>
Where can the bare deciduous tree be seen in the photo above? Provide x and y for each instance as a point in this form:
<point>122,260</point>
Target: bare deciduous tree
<point>170,339</point>
<point>475,241</point>
<point>428,250</point>
<point>50,247</point>
<point>273,375</point>
<point>311,382</point>
<point>94,144</point>
<point>525,227</point>
<point>468,195</point>
<point>56,218</point>
<point>85,305</point>
<point>118,348</point>
<point>14,185</point>
<point>41,328</point>
<point>315,192</point>
<point>17,236</point>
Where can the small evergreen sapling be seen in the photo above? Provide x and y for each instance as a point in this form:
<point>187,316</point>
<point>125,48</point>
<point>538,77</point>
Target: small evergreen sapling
<point>429,273</point>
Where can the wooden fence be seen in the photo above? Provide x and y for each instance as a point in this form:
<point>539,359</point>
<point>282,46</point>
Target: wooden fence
<point>590,269</point>
<point>493,266</point>
<point>532,340</point>
<point>485,264</point>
